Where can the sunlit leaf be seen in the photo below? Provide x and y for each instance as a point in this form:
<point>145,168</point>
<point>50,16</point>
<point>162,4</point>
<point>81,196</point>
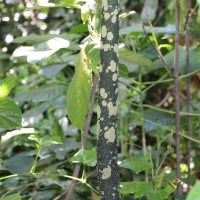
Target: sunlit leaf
<point>85,11</point>
<point>7,85</point>
<point>10,114</point>
<point>22,131</point>
<point>12,197</point>
<point>87,157</point>
<point>45,141</point>
<point>41,51</point>
<point>137,164</point>
<point>194,192</point>
<point>79,91</point>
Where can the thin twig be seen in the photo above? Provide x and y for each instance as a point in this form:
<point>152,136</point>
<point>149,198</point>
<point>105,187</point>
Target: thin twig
<point>188,95</point>
<point>177,97</point>
<point>144,146</point>
<point>157,50</point>
<point>84,138</point>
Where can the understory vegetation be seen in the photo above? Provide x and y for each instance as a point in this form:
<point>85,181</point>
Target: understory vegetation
<point>49,69</point>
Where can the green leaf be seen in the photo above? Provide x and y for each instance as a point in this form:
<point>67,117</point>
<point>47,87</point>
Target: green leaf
<point>159,180</point>
<point>162,194</point>
<point>10,114</point>
<point>51,70</point>
<point>142,189</point>
<point>41,51</point>
<point>81,28</point>
<point>139,188</point>
<point>20,163</point>
<point>36,39</point>
<point>137,164</point>
<point>79,91</point>
<point>43,94</point>
<point>93,53</point>
<point>87,157</point>
<point>12,197</point>
<point>194,192</point>
<point>85,11</point>
<point>61,150</point>
<point>7,85</point>
<point>46,140</point>
<point>158,119</point>
<point>134,58</point>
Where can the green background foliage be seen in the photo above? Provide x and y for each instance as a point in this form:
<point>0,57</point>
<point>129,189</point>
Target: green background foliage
<point>48,53</point>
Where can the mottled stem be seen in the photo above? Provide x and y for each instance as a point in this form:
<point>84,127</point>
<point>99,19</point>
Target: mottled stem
<point>107,103</point>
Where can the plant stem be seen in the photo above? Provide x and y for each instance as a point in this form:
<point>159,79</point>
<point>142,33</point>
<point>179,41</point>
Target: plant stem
<point>107,124</point>
<point>177,98</point>
<point>188,95</point>
<point>142,118</point>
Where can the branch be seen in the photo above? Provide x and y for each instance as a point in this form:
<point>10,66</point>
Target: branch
<point>177,97</point>
<point>188,95</point>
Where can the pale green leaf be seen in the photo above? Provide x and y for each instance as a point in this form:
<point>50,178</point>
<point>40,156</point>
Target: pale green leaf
<point>149,10</point>
<point>43,94</point>
<point>22,131</point>
<point>79,91</point>
<point>12,197</point>
<point>137,28</point>
<point>7,85</point>
<point>137,164</point>
<point>10,114</point>
<point>87,157</point>
<point>194,192</point>
<point>46,140</point>
<point>134,58</point>
<point>41,51</point>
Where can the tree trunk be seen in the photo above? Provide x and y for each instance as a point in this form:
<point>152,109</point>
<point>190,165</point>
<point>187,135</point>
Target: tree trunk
<point>107,103</point>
